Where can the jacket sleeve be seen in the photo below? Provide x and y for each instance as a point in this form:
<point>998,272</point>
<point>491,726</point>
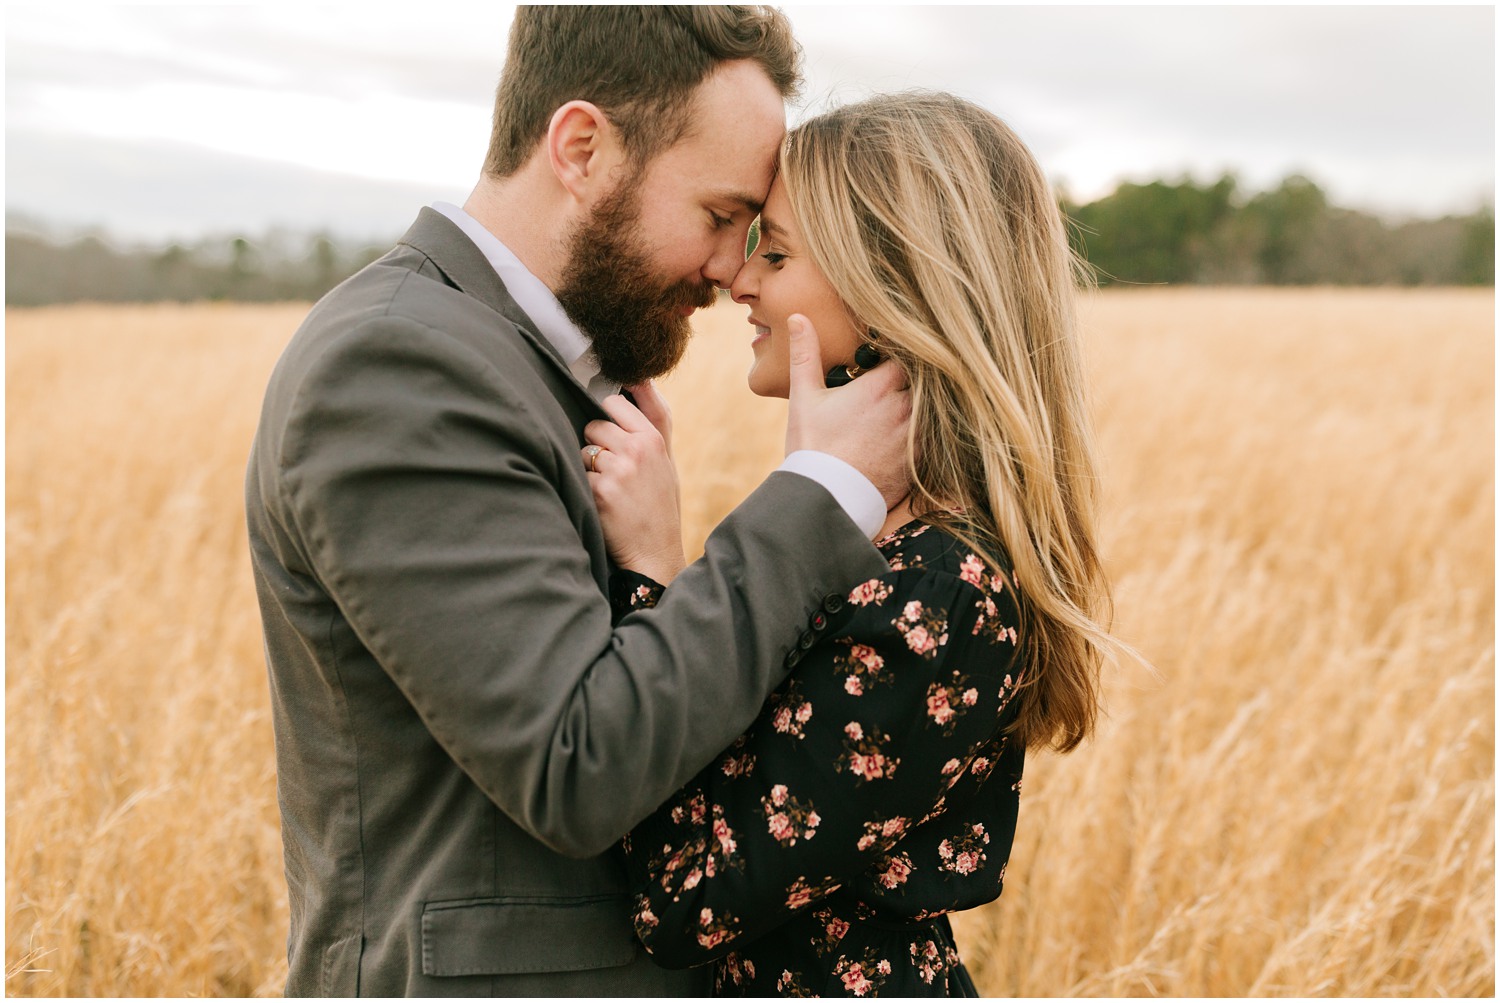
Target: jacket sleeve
<point>859,746</point>
<point>430,502</point>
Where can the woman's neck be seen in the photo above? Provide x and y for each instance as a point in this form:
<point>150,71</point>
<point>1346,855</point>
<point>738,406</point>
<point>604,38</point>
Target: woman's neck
<point>896,518</point>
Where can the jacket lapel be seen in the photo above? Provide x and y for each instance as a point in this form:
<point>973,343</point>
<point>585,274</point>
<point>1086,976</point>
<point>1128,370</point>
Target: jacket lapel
<point>450,249</point>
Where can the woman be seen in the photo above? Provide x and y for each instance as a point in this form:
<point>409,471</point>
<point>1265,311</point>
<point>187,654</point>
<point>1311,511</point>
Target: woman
<point>877,791</point>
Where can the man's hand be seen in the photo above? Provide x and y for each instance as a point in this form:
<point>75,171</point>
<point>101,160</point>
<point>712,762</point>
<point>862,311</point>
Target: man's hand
<point>864,423</point>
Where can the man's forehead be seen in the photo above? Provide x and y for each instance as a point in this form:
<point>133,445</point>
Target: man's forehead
<point>736,126</point>
<point>726,174</point>
<point>744,199</point>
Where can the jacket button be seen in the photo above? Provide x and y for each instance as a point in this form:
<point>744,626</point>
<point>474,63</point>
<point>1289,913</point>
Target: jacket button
<point>792,658</point>
<point>832,603</point>
<point>809,638</point>
<point>819,621</point>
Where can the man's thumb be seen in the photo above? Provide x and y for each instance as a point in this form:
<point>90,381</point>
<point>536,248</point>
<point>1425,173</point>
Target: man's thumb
<point>804,355</point>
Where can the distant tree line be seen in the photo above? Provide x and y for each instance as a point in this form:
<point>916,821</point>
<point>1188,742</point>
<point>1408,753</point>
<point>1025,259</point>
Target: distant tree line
<point>41,270</point>
<point>1209,234</point>
<point>1152,233</point>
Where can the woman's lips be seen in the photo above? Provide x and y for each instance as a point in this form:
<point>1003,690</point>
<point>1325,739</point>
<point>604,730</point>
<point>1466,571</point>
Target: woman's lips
<point>762,332</point>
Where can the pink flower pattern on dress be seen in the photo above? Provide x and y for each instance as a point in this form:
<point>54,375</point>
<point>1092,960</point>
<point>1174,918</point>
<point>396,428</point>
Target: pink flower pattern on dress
<point>925,630</point>
<point>864,753</point>
<point>790,712</point>
<point>894,726</point>
<point>864,976</point>
<point>881,832</point>
<point>737,761</point>
<point>738,766</point>
<point>931,960</point>
<point>946,701</point>
<point>861,666</point>
<point>787,818</point>
<point>713,930</point>
<point>802,893</point>
<point>964,852</point>
<point>991,625</point>
<point>789,983</point>
<point>734,971</point>
<point>895,872</point>
<point>872,591</point>
<point>938,707</point>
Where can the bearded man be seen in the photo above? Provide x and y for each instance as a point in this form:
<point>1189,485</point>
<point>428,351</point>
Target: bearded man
<point>464,729</point>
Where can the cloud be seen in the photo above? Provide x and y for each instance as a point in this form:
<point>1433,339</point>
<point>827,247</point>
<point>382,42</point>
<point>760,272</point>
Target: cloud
<point>1359,95</point>
<point>158,192</point>
<point>342,110</point>
<point>334,51</point>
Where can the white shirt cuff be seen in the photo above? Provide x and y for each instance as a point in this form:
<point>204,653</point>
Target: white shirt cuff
<point>859,499</point>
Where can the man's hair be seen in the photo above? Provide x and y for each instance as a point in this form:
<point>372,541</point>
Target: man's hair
<point>639,64</point>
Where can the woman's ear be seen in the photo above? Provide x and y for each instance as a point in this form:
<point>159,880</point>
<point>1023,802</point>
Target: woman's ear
<point>583,146</point>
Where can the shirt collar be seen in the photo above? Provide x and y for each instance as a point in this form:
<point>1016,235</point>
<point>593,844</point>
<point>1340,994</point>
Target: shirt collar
<point>536,301</point>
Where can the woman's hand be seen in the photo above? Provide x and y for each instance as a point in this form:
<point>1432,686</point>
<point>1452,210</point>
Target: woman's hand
<point>635,484</point>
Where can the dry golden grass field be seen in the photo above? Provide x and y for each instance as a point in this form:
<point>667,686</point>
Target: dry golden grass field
<point>1300,524</point>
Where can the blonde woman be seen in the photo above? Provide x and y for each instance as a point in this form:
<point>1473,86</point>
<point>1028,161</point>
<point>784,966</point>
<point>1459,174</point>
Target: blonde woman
<point>878,789</point>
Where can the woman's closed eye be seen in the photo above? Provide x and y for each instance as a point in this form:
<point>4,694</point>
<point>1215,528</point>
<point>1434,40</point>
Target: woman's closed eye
<point>773,258</point>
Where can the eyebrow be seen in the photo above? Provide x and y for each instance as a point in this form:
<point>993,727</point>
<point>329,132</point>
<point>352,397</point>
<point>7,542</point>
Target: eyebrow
<point>769,226</point>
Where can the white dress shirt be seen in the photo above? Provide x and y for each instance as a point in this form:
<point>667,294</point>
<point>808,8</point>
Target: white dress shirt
<point>852,490</point>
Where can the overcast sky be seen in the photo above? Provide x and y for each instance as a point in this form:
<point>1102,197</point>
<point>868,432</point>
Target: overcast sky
<point>175,121</point>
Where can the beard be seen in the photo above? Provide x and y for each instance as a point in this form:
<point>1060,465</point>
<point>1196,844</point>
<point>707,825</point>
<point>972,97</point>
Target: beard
<point>610,291</point>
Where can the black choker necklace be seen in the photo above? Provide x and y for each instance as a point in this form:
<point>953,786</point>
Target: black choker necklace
<point>865,357</point>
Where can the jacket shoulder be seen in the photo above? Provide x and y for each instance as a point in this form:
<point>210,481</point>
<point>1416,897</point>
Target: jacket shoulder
<point>402,285</point>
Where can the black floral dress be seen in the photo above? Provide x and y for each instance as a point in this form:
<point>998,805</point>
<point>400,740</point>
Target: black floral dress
<point>876,792</point>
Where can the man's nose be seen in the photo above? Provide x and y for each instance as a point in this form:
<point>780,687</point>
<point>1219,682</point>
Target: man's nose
<point>742,289</point>
<point>728,256</point>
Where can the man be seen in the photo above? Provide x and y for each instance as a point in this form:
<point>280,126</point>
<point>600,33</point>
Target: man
<point>462,731</point>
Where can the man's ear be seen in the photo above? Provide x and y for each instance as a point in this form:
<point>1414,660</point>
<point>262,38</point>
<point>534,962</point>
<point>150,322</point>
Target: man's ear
<point>583,146</point>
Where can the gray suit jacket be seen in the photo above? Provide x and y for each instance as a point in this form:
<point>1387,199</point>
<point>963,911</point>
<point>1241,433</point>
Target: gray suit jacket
<point>462,735</point>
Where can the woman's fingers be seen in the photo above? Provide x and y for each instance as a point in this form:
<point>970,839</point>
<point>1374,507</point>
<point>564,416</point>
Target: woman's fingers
<point>606,434</point>
<point>626,414</point>
<point>631,435</point>
<point>634,484</point>
<point>654,407</point>
<point>592,454</point>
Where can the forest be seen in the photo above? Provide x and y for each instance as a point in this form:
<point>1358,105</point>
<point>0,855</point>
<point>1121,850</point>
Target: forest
<point>1178,232</point>
<point>1210,234</point>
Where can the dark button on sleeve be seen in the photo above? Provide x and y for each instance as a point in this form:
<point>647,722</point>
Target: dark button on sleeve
<point>792,658</point>
<point>818,621</point>
<point>809,638</point>
<point>832,603</point>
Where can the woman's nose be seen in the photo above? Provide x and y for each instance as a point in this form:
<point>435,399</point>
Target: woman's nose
<point>742,288</point>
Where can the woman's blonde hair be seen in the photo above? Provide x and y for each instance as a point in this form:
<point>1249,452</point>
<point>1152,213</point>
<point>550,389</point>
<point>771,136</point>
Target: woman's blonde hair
<point>936,227</point>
